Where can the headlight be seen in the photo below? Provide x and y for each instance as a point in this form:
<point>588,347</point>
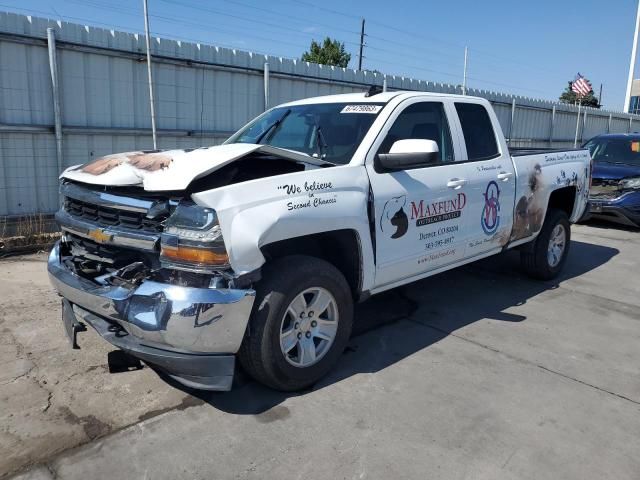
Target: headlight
<point>630,183</point>
<point>192,240</point>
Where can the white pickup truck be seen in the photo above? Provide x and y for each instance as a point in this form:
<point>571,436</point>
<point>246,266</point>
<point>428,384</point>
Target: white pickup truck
<point>258,248</point>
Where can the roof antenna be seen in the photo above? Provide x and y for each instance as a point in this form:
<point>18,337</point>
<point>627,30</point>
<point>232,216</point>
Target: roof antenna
<point>373,90</point>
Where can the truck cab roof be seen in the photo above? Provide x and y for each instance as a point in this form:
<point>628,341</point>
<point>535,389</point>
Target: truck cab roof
<point>383,97</point>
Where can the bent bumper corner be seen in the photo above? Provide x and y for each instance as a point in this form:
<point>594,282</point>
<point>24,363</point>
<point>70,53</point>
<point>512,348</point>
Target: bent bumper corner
<point>192,334</point>
<point>615,213</point>
<point>200,371</point>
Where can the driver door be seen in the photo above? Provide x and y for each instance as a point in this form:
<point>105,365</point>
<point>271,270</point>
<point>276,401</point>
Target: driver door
<point>420,213</point>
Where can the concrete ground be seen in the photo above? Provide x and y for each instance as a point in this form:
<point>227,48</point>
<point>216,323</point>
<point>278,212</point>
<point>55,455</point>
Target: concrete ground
<point>475,373</point>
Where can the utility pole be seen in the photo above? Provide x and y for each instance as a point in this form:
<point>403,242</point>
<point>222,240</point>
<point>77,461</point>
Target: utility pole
<point>464,75</point>
<point>632,62</point>
<point>600,96</point>
<point>361,45</point>
<point>153,110</point>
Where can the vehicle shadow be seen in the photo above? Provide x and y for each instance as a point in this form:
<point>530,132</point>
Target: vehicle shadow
<point>393,325</point>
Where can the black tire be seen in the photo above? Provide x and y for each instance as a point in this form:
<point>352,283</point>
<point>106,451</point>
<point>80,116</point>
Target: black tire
<point>282,281</point>
<point>534,258</point>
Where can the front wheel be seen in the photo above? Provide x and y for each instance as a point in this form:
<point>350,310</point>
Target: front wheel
<point>300,324</point>
<point>547,255</point>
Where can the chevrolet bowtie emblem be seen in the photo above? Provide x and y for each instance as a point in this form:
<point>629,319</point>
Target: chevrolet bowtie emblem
<point>99,236</point>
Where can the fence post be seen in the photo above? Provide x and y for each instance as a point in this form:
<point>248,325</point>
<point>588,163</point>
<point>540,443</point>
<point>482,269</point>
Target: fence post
<point>384,83</point>
<point>584,126</point>
<point>630,124</point>
<point>266,86</point>
<point>55,88</point>
<point>609,124</point>
<point>513,118</point>
<point>552,127</point>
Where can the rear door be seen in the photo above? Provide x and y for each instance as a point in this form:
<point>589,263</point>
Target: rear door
<point>491,179</point>
<point>420,213</point>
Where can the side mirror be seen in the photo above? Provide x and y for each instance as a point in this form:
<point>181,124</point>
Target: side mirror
<point>408,154</point>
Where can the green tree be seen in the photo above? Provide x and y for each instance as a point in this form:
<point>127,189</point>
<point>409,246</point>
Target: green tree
<point>569,96</point>
<point>331,52</point>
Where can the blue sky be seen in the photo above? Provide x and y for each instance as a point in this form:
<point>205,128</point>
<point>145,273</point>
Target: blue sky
<point>529,48</point>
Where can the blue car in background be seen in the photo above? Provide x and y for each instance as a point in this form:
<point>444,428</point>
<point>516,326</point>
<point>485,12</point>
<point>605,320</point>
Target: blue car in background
<point>615,191</point>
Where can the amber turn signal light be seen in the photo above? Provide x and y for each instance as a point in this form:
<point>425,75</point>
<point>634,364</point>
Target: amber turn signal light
<point>200,256</point>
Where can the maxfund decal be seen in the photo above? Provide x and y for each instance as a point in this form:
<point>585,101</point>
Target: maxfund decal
<point>427,213</point>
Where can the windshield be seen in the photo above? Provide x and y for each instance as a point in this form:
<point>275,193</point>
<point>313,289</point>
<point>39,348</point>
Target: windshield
<point>615,150</point>
<point>329,131</point>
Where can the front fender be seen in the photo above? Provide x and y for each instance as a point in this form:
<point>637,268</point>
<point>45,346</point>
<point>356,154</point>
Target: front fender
<point>259,212</point>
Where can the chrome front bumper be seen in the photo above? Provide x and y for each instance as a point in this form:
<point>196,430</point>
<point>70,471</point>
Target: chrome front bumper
<point>186,322</point>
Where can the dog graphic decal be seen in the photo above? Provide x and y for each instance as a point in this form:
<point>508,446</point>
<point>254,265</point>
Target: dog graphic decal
<point>394,216</point>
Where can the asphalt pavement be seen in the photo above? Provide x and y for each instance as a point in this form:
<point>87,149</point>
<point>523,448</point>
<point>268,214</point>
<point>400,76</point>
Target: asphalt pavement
<point>477,373</point>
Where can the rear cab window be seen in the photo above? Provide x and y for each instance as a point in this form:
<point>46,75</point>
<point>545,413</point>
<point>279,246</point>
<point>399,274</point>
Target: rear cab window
<point>479,136</point>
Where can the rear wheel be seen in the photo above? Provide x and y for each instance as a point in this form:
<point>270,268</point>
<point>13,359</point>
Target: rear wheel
<point>300,324</point>
<point>545,258</point>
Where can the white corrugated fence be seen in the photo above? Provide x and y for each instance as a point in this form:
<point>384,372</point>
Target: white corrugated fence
<point>203,93</point>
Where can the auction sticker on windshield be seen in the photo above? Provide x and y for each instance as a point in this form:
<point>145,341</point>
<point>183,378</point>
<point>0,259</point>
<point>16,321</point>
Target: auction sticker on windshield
<point>361,109</point>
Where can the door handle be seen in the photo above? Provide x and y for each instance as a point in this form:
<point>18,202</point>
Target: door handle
<point>505,176</point>
<point>456,183</point>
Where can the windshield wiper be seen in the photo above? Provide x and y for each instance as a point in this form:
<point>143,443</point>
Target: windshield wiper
<point>271,129</point>
<point>321,142</point>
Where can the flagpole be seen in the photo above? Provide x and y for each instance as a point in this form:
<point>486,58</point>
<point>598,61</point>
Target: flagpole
<point>575,141</point>
<point>632,62</point>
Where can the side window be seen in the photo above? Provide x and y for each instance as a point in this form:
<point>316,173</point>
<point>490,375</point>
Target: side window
<point>425,121</point>
<point>478,131</point>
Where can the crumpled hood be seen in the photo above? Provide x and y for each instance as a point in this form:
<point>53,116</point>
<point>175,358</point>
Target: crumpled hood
<point>611,171</point>
<point>167,170</point>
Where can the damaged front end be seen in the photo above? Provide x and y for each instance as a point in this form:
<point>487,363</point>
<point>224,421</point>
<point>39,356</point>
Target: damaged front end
<point>150,274</point>
<point>616,200</point>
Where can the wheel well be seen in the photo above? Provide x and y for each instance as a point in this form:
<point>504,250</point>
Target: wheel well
<point>341,248</point>
<point>563,199</point>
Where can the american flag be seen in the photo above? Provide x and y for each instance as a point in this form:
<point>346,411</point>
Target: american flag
<point>581,86</point>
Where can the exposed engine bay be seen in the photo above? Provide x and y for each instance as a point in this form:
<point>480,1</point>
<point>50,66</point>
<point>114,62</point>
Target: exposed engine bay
<point>251,167</point>
<point>125,267</point>
<point>89,257</point>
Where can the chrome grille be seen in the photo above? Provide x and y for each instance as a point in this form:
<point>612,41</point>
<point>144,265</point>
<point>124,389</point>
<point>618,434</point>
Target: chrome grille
<point>112,217</point>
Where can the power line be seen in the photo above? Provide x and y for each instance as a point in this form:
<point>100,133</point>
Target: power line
<point>368,35</point>
<point>325,9</point>
<point>458,76</point>
<point>110,26</point>
<point>426,37</point>
<point>188,22</point>
<point>448,74</point>
<point>185,21</point>
<point>242,18</point>
<point>207,28</point>
<point>395,53</point>
<point>408,55</point>
<point>420,48</point>
<point>292,17</point>
<point>414,46</point>
<point>306,34</point>
<point>179,21</point>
